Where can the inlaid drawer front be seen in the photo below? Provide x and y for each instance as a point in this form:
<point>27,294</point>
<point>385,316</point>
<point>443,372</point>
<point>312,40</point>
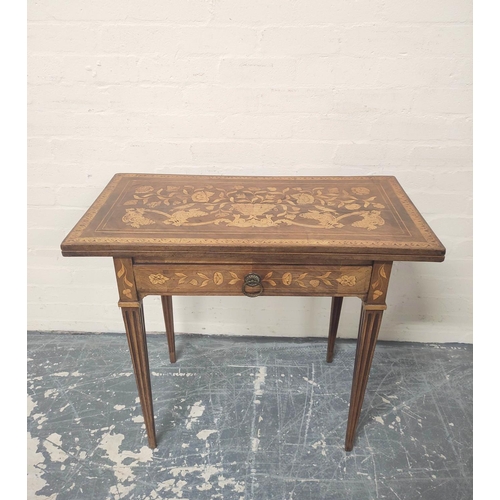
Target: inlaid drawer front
<point>250,280</point>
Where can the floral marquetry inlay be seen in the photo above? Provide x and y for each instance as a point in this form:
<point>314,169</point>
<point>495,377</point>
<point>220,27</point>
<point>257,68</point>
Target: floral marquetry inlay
<point>193,278</point>
<point>125,279</point>
<point>158,279</point>
<point>127,289</point>
<point>247,206</point>
<point>198,279</point>
<point>333,215</point>
<point>347,280</point>
<point>380,281</point>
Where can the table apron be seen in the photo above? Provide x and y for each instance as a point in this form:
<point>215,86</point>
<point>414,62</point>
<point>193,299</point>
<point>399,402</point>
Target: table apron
<point>212,279</point>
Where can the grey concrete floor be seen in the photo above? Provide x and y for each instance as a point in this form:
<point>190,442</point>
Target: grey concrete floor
<point>247,418</point>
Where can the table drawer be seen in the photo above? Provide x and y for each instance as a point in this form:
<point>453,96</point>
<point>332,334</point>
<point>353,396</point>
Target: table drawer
<point>203,279</point>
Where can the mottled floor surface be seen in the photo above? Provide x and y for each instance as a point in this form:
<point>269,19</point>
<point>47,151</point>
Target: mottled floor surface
<point>247,418</point>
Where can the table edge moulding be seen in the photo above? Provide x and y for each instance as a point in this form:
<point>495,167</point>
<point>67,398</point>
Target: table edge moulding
<point>254,236</point>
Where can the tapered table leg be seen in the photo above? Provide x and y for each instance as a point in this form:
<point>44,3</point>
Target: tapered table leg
<point>334,325</point>
<point>367,338</point>
<point>166,302</point>
<point>133,317</point>
<point>369,327</point>
<point>136,336</point>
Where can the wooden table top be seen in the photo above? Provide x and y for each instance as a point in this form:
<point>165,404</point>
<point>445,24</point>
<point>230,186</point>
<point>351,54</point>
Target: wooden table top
<point>150,214</point>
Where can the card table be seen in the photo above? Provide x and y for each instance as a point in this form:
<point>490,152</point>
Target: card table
<point>255,237</point>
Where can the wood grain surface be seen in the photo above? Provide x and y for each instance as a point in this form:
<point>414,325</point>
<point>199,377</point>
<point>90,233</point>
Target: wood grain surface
<point>276,280</point>
<point>343,216</point>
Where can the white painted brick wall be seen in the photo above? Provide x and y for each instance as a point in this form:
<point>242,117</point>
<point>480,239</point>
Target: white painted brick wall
<point>244,87</point>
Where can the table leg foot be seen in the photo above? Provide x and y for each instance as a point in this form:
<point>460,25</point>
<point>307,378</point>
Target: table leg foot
<point>168,315</point>
<point>334,325</point>
<point>133,318</point>
<point>369,327</point>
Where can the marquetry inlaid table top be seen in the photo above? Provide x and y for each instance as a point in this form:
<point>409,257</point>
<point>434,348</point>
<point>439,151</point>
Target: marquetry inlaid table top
<point>369,217</point>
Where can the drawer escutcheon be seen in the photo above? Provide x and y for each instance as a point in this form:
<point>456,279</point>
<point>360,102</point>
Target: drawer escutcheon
<point>252,280</point>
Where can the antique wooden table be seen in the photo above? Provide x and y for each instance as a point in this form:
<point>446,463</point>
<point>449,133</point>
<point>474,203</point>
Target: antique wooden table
<point>254,236</point>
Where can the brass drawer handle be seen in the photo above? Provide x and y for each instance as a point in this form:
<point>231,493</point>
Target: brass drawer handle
<point>252,280</point>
